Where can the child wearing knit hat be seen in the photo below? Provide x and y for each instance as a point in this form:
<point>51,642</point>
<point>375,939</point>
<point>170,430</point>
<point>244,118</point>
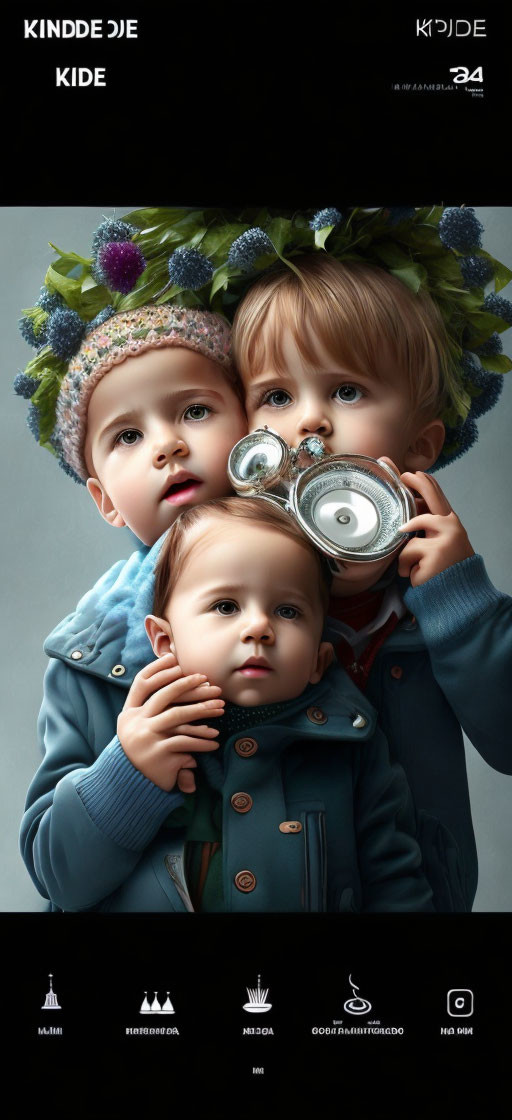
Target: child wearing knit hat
<point>145,414</point>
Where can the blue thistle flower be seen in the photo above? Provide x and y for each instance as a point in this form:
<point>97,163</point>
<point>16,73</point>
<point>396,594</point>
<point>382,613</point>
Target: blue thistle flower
<point>49,301</point>
<point>399,214</point>
<point>28,332</point>
<point>469,365</point>
<point>463,437</point>
<point>246,249</point>
<point>25,386</point>
<point>476,271</point>
<point>460,229</point>
<point>65,332</point>
<point>33,421</point>
<point>112,229</point>
<point>499,306</point>
<point>328,217</point>
<point>490,386</point>
<point>490,347</point>
<point>69,470</point>
<point>100,318</point>
<point>189,269</point>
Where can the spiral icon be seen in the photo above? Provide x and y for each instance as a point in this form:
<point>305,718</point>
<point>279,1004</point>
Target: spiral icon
<point>357,1005</point>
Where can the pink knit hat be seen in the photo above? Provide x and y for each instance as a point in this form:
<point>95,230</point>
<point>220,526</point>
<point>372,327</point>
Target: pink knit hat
<point>125,335</point>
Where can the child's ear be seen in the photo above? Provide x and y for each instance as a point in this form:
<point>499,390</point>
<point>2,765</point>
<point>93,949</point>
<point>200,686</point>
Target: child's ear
<point>160,635</point>
<point>324,658</point>
<point>425,447</point>
<point>102,501</point>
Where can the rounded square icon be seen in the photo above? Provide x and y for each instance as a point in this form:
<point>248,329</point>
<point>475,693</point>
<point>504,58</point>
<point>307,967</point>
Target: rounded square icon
<point>460,1002</point>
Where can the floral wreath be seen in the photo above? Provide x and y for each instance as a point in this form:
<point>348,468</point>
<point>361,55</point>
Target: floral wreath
<point>208,258</point>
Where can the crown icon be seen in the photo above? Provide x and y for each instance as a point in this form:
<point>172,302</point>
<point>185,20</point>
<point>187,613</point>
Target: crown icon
<point>257,999</point>
<point>155,1007</point>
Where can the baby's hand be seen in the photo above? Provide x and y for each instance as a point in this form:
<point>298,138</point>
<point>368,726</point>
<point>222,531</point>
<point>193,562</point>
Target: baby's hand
<point>154,726</point>
<point>445,541</point>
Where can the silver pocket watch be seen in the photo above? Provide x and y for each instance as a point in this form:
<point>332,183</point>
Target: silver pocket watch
<point>350,506</point>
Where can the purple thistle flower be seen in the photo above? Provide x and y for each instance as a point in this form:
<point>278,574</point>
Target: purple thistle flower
<point>49,301</point>
<point>399,214</point>
<point>490,386</point>
<point>100,318</point>
<point>476,271</point>
<point>499,306</point>
<point>28,332</point>
<point>120,263</point>
<point>490,347</point>
<point>189,269</point>
<point>246,249</point>
<point>65,332</point>
<point>25,386</point>
<point>328,217</point>
<point>460,229</point>
<point>111,229</point>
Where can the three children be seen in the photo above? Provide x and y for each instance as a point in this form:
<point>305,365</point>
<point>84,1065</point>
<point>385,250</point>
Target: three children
<point>345,352</point>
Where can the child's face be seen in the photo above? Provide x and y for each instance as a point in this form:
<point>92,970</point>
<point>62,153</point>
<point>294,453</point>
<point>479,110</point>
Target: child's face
<point>354,413</point>
<point>159,431</point>
<point>246,611</point>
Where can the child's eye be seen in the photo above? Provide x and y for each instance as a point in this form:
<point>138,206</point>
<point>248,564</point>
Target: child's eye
<point>129,437</point>
<point>276,398</point>
<point>349,394</point>
<point>287,612</point>
<point>225,607</point>
<point>197,412</point>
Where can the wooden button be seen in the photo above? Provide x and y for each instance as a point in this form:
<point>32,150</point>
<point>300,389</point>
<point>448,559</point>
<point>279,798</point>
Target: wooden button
<point>316,715</point>
<point>290,826</point>
<point>246,747</point>
<point>396,672</point>
<point>245,881</point>
<point>241,802</point>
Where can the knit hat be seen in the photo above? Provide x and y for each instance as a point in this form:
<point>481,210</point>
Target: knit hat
<point>125,335</point>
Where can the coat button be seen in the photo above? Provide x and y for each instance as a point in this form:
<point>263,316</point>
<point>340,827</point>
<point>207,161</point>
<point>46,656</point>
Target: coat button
<point>316,715</point>
<point>245,881</point>
<point>246,747</point>
<point>77,655</point>
<point>241,802</point>
<point>118,671</point>
<point>396,672</point>
<point>359,722</point>
<point>290,826</point>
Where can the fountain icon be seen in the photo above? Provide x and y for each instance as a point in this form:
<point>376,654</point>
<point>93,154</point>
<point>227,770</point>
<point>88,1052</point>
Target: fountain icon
<point>257,999</point>
<point>357,1005</point>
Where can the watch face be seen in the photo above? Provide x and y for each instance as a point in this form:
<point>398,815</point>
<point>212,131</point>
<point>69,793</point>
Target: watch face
<point>351,507</point>
<point>257,462</point>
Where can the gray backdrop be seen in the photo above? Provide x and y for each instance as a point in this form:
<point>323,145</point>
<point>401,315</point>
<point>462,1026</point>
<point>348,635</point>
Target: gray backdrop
<point>56,545</point>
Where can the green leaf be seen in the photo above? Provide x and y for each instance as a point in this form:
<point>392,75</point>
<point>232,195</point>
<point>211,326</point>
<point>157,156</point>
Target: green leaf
<point>217,241</point>
<point>278,230</point>
<point>502,275</point>
<point>497,363</point>
<point>45,398</point>
<point>219,281</point>
<point>392,255</point>
<point>69,260</point>
<point>156,216</point>
<point>321,236</point>
<point>413,275</point>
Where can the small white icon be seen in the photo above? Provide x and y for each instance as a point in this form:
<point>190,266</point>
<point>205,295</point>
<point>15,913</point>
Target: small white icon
<point>155,1008</point>
<point>257,998</point>
<point>51,1002</point>
<point>356,1005</point>
<point>460,1002</point>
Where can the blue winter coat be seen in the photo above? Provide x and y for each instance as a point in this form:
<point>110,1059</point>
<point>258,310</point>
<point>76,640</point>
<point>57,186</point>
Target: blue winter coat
<point>98,834</point>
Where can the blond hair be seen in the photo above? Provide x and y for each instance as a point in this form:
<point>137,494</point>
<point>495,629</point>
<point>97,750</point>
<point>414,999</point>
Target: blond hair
<point>352,308</point>
<point>174,551</point>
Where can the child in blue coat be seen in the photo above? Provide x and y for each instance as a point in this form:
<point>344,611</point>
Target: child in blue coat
<point>345,351</point>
